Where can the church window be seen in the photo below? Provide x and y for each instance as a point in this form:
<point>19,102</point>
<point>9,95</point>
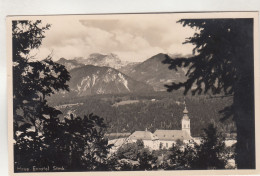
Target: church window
<point>166,144</point>
<point>184,126</point>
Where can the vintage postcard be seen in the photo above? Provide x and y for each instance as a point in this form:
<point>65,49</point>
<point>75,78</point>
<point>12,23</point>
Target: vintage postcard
<point>158,94</point>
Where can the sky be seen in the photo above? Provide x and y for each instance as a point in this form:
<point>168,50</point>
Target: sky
<point>133,38</point>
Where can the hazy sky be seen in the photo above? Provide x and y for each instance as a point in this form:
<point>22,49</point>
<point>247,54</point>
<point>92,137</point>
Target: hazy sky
<point>131,37</point>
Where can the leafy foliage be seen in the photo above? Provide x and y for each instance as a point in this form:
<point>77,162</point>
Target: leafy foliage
<point>217,43</point>
<point>77,143</point>
<point>32,82</point>
<point>211,153</point>
<point>223,63</point>
<point>134,156</point>
<point>41,138</point>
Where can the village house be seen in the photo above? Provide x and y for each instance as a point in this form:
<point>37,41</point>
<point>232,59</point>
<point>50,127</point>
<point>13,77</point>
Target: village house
<point>150,140</point>
<point>159,139</point>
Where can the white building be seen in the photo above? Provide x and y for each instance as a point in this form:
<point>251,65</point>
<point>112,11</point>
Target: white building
<point>168,137</point>
<point>160,138</point>
<point>150,140</point>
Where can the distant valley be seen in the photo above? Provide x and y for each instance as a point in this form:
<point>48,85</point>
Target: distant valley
<point>131,96</point>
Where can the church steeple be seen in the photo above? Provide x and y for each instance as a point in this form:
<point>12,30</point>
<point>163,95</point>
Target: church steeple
<point>185,112</point>
<point>185,120</point>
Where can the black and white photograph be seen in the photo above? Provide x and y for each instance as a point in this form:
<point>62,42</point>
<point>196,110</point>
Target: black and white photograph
<point>132,92</point>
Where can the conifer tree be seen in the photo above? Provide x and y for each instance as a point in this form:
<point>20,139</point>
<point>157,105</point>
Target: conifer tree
<point>223,64</point>
<point>210,154</point>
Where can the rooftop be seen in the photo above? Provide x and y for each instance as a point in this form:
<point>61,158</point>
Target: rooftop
<point>144,135</point>
<point>172,135</point>
<point>111,136</point>
<point>185,111</point>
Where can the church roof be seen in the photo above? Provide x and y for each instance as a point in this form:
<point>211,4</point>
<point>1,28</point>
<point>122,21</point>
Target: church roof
<point>185,111</point>
<point>172,135</point>
<point>144,135</point>
<point>111,136</point>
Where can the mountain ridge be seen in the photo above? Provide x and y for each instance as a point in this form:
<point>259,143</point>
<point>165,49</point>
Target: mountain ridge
<point>97,59</point>
<point>89,79</point>
<point>152,71</point>
<point>155,73</point>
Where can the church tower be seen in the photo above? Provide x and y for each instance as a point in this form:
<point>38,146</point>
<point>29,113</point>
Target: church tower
<point>185,122</point>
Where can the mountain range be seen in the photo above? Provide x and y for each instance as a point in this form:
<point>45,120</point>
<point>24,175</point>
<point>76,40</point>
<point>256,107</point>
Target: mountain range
<point>107,60</point>
<point>107,74</point>
<point>90,79</point>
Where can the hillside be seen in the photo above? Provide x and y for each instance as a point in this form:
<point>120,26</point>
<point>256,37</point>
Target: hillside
<point>90,80</point>
<point>155,73</point>
<point>128,67</point>
<point>157,110</point>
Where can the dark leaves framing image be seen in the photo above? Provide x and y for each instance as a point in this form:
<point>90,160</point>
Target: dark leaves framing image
<point>105,114</point>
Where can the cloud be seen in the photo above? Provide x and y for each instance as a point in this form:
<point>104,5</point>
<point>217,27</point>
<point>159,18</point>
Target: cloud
<point>177,48</point>
<point>131,37</point>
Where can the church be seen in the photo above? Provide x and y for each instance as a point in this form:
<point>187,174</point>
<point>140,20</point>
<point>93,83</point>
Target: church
<point>160,138</point>
<point>168,137</point>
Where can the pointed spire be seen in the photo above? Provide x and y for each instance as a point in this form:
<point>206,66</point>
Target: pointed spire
<point>185,111</point>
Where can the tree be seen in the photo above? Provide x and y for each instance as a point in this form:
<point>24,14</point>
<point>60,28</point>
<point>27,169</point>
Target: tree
<point>211,153</point>
<point>223,64</point>
<point>128,151</point>
<point>41,138</point>
<point>181,156</point>
<point>146,159</point>
<point>176,157</point>
<point>33,81</point>
<point>134,156</point>
<point>77,143</point>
